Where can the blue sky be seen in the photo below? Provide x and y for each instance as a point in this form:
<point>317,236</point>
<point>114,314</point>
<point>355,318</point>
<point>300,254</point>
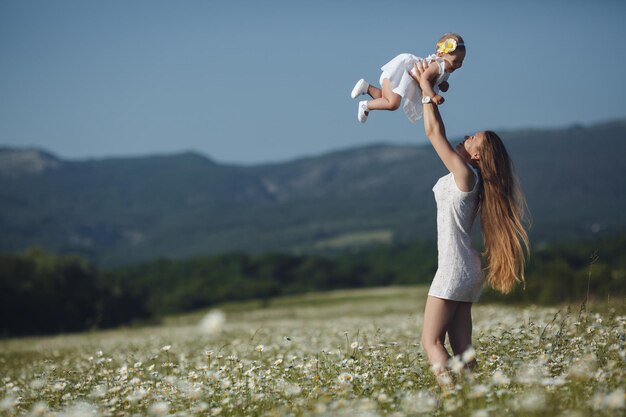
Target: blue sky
<point>259,81</point>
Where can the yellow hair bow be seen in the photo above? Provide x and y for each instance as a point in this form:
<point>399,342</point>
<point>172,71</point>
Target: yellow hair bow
<point>446,46</point>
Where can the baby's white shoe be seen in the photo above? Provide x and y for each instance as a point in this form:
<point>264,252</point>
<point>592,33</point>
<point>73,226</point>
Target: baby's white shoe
<point>363,111</point>
<point>360,88</point>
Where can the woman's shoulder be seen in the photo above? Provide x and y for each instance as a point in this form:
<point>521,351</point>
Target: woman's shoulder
<point>467,180</point>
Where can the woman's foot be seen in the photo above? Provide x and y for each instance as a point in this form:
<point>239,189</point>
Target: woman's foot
<point>360,88</point>
<point>445,381</point>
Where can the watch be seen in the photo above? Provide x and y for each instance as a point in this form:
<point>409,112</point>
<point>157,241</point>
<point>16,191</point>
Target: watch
<point>426,100</point>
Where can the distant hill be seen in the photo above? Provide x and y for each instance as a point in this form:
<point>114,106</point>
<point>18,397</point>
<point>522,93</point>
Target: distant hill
<point>123,210</point>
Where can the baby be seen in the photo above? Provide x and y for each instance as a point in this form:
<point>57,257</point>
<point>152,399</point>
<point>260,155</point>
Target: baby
<point>396,83</point>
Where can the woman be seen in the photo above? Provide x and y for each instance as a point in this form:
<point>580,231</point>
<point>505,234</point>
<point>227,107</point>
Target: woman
<point>481,179</point>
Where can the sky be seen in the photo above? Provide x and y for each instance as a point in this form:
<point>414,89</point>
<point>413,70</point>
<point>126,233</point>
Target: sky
<point>250,82</point>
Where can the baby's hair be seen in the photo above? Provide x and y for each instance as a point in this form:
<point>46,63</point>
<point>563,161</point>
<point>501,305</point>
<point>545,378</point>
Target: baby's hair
<point>451,35</point>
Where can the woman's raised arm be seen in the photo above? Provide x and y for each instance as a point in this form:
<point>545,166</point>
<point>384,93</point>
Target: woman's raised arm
<point>436,132</point>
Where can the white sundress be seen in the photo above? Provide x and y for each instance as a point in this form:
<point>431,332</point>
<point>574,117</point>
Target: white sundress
<point>397,72</point>
<point>459,275</point>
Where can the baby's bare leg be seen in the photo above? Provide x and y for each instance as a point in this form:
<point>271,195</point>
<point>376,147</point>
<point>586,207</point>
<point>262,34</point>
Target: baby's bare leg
<point>374,92</point>
<point>388,100</point>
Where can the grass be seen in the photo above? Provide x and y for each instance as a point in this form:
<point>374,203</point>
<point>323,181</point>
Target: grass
<point>343,353</point>
<point>355,239</point>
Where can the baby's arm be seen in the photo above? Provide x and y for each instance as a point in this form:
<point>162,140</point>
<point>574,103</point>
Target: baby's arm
<point>430,75</point>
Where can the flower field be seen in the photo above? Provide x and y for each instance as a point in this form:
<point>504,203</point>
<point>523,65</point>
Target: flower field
<point>345,353</point>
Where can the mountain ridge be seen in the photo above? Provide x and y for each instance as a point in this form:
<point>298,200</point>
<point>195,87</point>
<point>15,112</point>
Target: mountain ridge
<point>122,210</point>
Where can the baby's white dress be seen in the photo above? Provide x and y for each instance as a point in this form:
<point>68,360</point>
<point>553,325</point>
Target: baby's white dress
<point>459,275</point>
<point>397,72</point>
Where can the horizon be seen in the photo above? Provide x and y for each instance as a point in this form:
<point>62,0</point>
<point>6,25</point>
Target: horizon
<point>322,153</point>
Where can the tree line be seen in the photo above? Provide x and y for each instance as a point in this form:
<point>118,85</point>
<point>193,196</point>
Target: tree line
<point>45,293</point>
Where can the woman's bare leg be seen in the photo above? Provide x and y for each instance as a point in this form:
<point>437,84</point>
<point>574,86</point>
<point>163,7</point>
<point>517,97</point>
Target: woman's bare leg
<point>460,330</point>
<point>388,100</point>
<point>438,315</point>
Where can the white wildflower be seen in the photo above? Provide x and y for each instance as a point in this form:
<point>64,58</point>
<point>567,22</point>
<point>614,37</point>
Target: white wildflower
<point>383,398</point>
<point>499,378</point>
<point>39,409</point>
<point>456,364</point>
<point>200,408</point>
<point>597,401</point>
<point>345,378</point>
<point>98,391</point>
<point>583,369</point>
<point>37,384</point>
<point>452,404</point>
<point>8,403</point>
<point>420,402</point>
<point>531,401</point>
<point>80,409</point>
<point>260,348</point>
<point>354,345</point>
<point>469,355</point>
<point>531,374</point>
<point>212,323</point>
<point>478,390</point>
<point>444,379</point>
<point>291,390</point>
<point>160,408</point>
<point>572,413</point>
<point>437,368</point>
<point>553,382</point>
<point>166,348</point>
<point>59,386</point>
<point>137,396</point>
<point>615,399</point>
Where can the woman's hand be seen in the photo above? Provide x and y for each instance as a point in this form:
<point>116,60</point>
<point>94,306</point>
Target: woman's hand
<point>418,69</point>
<point>417,73</point>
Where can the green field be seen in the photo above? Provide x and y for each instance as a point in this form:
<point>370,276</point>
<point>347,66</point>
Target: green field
<point>344,353</point>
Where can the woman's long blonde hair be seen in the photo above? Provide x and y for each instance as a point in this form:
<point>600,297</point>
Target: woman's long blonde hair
<point>503,210</point>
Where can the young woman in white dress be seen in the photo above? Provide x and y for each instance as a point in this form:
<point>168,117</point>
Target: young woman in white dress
<point>481,180</point>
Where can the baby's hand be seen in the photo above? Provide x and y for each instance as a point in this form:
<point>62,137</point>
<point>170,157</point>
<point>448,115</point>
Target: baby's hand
<point>438,99</point>
<point>444,86</point>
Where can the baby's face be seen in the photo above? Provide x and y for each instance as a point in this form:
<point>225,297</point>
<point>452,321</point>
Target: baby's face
<point>454,60</point>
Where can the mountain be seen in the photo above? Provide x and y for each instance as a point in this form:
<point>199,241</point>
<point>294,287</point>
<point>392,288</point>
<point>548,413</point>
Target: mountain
<point>123,210</point>
<point>14,163</point>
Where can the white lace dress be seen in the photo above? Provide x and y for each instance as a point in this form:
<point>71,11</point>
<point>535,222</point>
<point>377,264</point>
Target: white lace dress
<point>397,72</point>
<point>459,274</point>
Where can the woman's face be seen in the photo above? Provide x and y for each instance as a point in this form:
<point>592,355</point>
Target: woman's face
<point>470,147</point>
